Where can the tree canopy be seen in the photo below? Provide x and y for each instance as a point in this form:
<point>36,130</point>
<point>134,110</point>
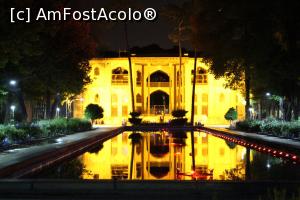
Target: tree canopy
<point>252,44</point>
<point>47,59</point>
<point>93,112</point>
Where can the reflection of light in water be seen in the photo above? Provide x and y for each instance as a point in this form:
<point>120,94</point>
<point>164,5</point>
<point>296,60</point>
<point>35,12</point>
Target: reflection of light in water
<point>244,153</point>
<point>176,159</point>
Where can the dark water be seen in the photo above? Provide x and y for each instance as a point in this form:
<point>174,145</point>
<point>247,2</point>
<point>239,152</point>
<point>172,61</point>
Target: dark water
<point>167,156</point>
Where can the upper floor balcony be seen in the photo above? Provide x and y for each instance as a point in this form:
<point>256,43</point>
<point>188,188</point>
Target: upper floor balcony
<point>201,76</point>
<point>119,76</point>
<point>119,79</point>
<point>159,79</point>
<point>159,84</point>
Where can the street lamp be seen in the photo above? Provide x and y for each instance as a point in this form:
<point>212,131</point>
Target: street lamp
<point>13,108</point>
<point>268,94</point>
<point>12,82</point>
<point>251,110</point>
<point>57,112</point>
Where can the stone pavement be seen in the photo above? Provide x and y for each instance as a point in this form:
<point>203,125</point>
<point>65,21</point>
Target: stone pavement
<point>284,143</point>
<point>11,158</point>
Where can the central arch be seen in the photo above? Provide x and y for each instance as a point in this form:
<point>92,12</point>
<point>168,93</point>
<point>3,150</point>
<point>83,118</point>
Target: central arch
<point>159,76</point>
<point>159,102</point>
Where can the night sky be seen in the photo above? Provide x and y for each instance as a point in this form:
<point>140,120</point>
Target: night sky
<point>140,33</point>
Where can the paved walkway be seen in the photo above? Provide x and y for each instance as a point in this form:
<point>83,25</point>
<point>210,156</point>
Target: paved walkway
<point>13,157</point>
<point>279,142</point>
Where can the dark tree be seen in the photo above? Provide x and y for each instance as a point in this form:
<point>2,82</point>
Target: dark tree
<point>231,114</point>
<point>230,34</point>
<point>93,112</point>
<point>49,59</point>
<point>253,45</point>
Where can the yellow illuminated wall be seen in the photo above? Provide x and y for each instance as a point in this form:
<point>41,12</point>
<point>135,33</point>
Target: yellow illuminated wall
<point>211,154</point>
<point>111,90</point>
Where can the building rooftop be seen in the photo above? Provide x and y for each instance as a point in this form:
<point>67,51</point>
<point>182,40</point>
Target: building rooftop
<point>148,51</point>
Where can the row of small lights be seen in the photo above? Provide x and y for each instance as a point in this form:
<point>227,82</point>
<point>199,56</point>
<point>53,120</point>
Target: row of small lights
<point>260,148</point>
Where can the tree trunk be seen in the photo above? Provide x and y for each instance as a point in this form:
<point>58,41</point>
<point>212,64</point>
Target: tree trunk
<point>180,65</point>
<point>131,160</point>
<point>143,158</point>
<point>54,106</point>
<point>7,108</point>
<point>281,109</point>
<point>48,104</point>
<point>194,90</point>
<point>130,68</point>
<point>296,108</point>
<point>287,109</point>
<point>193,112</point>
<point>248,171</point>
<point>247,90</point>
<point>21,101</point>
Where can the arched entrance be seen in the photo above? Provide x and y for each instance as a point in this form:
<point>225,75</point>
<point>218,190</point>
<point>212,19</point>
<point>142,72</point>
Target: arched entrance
<point>159,102</point>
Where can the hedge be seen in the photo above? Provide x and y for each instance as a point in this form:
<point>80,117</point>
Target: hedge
<point>270,126</point>
<point>43,129</point>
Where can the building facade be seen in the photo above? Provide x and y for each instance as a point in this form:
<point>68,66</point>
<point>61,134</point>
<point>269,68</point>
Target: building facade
<point>160,86</point>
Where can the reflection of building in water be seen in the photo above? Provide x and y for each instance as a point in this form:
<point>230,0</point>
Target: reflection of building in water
<point>158,89</point>
<point>159,156</point>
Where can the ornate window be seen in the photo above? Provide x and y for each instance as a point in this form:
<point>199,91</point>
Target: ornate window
<point>114,99</point>
<point>124,110</point>
<point>201,76</point>
<point>119,76</point>
<point>97,99</point>
<point>205,110</point>
<point>204,98</point>
<point>114,105</point>
<point>204,107</point>
<point>138,78</point>
<point>138,98</point>
<point>96,71</point>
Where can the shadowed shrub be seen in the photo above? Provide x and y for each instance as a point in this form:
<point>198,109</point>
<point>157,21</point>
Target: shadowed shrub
<point>270,126</point>
<point>2,137</point>
<point>135,120</point>
<point>62,126</point>
<point>13,134</point>
<point>93,112</point>
<point>179,113</point>
<point>179,118</point>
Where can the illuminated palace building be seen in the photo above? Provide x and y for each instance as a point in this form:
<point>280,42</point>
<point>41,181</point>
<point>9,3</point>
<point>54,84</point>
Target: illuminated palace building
<point>160,86</point>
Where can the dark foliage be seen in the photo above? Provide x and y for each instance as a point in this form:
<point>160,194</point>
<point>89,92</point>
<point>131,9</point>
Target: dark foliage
<point>231,114</point>
<point>179,113</point>
<point>93,112</point>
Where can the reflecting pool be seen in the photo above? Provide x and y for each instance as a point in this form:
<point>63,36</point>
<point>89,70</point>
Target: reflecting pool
<point>167,156</point>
